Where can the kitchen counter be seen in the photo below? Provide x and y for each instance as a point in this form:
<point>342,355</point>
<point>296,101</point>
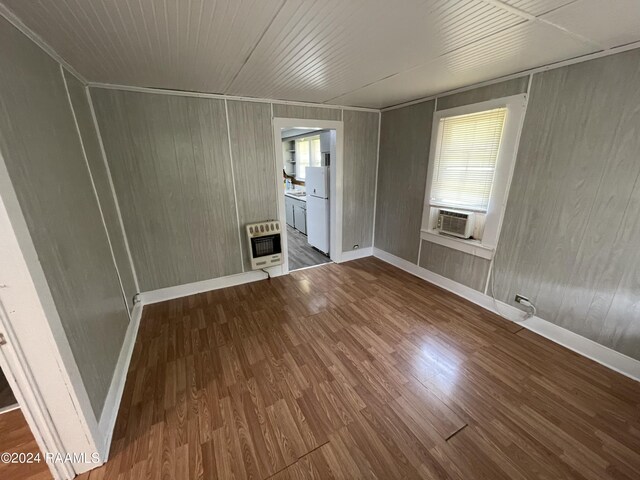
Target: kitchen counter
<point>296,195</point>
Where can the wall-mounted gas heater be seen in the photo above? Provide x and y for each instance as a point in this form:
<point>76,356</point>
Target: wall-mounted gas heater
<point>265,247</point>
<point>456,222</point>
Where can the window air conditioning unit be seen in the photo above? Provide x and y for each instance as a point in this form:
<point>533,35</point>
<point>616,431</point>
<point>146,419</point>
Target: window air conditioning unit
<point>456,222</point>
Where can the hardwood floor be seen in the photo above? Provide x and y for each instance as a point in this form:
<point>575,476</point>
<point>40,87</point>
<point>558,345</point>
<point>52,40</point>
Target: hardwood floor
<point>360,370</point>
<point>16,437</point>
<point>301,254</point>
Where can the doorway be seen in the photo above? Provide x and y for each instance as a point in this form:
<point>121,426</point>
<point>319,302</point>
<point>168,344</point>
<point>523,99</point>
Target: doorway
<point>8,400</point>
<point>309,176</point>
<point>17,438</point>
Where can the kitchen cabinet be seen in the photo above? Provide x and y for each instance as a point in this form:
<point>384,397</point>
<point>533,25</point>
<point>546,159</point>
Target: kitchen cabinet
<point>296,213</point>
<point>300,217</point>
<point>289,156</point>
<point>288,207</point>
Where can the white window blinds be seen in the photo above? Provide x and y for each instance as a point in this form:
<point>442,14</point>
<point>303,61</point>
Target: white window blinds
<point>465,160</point>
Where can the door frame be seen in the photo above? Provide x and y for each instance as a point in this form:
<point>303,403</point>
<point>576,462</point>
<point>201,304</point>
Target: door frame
<point>37,359</point>
<point>335,183</point>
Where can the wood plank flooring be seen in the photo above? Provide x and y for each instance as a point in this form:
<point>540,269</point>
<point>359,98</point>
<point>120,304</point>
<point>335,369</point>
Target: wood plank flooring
<point>360,370</point>
<point>301,254</point>
<point>16,437</point>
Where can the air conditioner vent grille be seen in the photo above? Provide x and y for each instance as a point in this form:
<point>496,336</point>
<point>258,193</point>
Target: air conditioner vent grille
<point>459,224</point>
<point>454,224</point>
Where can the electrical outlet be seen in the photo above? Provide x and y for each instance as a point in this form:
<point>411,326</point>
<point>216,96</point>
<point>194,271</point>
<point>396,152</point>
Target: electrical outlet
<point>520,298</point>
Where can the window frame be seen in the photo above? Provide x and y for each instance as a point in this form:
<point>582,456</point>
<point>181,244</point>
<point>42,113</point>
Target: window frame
<point>309,139</point>
<point>516,107</point>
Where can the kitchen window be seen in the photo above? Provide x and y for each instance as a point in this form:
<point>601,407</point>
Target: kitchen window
<point>473,150</point>
<point>307,155</point>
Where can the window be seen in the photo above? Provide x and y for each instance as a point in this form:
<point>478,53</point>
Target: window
<point>465,161</point>
<point>307,155</point>
<point>473,150</point>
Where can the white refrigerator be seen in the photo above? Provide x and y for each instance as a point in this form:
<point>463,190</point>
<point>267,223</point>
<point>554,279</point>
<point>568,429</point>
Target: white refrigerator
<point>317,187</point>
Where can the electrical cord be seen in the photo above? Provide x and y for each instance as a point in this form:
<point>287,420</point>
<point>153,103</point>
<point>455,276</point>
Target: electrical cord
<point>268,274</point>
<point>531,313</point>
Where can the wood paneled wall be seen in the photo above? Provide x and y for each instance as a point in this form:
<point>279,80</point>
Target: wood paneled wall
<point>283,110</point>
<point>88,134</point>
<point>569,237</point>
<point>405,141</point>
<point>252,148</point>
<point>43,154</point>
<point>483,94</point>
<point>405,137</point>
<point>461,267</point>
<point>359,178</point>
<point>571,229</point>
<point>171,166</point>
<point>191,172</point>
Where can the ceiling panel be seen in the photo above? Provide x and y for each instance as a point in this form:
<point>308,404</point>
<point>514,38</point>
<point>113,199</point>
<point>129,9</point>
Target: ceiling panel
<point>610,23</point>
<point>537,7</point>
<point>355,52</point>
<point>196,45</point>
<point>326,49</point>
<point>520,48</point>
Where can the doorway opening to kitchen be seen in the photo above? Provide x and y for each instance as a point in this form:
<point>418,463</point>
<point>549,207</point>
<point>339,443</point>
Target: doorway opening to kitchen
<point>308,170</point>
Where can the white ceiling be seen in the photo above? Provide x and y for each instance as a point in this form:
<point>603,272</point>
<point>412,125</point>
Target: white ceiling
<point>372,53</point>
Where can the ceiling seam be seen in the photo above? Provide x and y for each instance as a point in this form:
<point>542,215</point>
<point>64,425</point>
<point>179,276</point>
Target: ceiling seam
<point>414,67</point>
<point>527,17</point>
<point>531,71</point>
<point>246,60</point>
<point>516,11</point>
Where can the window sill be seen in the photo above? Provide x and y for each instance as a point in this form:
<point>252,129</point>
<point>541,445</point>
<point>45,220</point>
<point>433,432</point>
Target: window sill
<point>472,247</point>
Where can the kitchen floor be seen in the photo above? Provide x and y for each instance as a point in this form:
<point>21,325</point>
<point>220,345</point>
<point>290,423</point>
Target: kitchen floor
<point>301,254</point>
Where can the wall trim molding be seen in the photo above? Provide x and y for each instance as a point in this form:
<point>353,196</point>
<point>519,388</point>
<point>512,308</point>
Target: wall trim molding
<point>103,153</point>
<point>185,93</point>
<point>471,247</point>
<point>111,407</point>
<point>606,356</point>
<point>336,198</point>
<point>178,291</point>
<point>356,254</point>
<point>93,185</point>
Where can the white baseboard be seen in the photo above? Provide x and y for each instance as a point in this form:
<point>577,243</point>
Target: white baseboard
<point>185,290</point>
<point>356,254</point>
<point>617,361</point>
<point>9,408</point>
<point>112,404</point>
